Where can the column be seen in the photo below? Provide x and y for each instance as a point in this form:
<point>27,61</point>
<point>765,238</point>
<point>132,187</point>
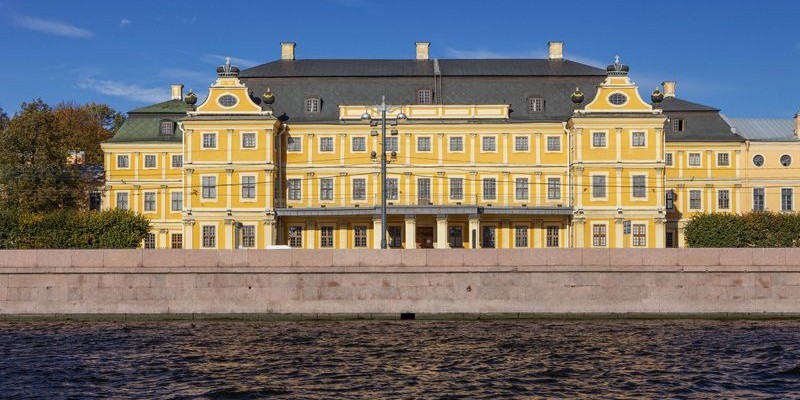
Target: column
<point>309,194</point>
<point>188,234</point>
<point>537,185</point>
<point>619,233</point>
<point>230,229</point>
<point>269,232</point>
<point>342,239</point>
<point>135,204</point>
<point>474,226</point>
<point>164,202</point>
<point>342,148</point>
<point>578,230</point>
<point>537,149</point>
<point>411,231</point>
<point>310,240</point>
<point>681,234</point>
<point>163,166</point>
<point>408,148</point>
<point>579,144</point>
<point>504,136</point>
<point>709,160</point>
<point>472,138</point>
<point>536,227</point>
<point>440,147</point>
<point>310,150</point>
<point>619,144</point>
<point>506,196</point>
<point>376,232</point>
<point>441,231</point>
<point>660,233</point>
<point>618,183</point>
<point>135,156</point>
<point>187,147</point>
<point>407,184</point>
<point>579,190</point>
<point>268,146</point>
<point>229,188</point>
<point>229,133</point>
<point>505,230</point>
<point>659,142</point>
<point>679,159</point>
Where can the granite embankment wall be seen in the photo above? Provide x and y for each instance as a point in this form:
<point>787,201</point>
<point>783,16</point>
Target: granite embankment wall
<point>694,281</point>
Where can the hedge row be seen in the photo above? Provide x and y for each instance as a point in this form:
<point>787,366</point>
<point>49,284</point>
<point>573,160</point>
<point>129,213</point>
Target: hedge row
<point>67,229</point>
<point>754,229</point>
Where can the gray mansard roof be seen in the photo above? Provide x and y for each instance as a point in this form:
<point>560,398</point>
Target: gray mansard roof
<point>702,123</point>
<point>355,82</point>
<point>765,129</point>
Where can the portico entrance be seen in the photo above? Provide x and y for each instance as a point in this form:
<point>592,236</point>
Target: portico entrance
<point>424,237</point>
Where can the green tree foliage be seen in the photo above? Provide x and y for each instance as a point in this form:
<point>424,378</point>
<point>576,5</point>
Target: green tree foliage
<point>84,129</point>
<point>3,119</point>
<point>69,229</point>
<point>755,229</point>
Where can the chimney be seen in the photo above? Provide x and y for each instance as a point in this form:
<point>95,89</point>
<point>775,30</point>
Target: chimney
<point>797,125</point>
<point>556,50</point>
<point>422,50</point>
<point>669,88</point>
<point>287,51</point>
<point>177,92</point>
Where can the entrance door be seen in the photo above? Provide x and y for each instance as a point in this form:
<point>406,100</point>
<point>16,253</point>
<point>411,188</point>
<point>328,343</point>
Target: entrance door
<point>488,237</point>
<point>424,237</point>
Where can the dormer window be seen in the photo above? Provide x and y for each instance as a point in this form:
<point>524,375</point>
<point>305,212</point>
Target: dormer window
<point>535,105</point>
<point>678,125</point>
<point>424,96</point>
<point>167,128</point>
<point>312,105</point>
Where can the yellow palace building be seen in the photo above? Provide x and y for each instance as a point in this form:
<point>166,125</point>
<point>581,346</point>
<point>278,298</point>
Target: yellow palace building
<point>503,153</point>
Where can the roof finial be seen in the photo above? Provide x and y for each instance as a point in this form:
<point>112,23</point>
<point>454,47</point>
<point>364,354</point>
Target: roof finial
<point>227,63</point>
<point>616,59</point>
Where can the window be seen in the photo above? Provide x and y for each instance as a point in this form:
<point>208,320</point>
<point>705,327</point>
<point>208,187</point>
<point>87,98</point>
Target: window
<point>395,237</point>
<point>488,237</point>
<point>670,241</point>
<point>295,190</point>
<point>249,187</point>
<point>617,99</point>
<point>166,128</point>
<point>358,143</point>
<point>786,160</point>
<point>456,188</point>
<point>149,161</point>
<point>598,139</point>
<point>599,186</point>
<point>122,200</point>
<point>248,236</point>
<point>150,201</point>
<point>359,236</point>
<point>758,199</point>
<point>535,105</point>
<point>424,96</point>
<point>123,161</point>
<point>150,241</point>
<point>553,188</point>
<point>678,125</point>
<point>312,105</point>
<point>455,236</point>
<point>638,139</point>
<point>695,199</point>
<point>177,161</point>
<point>786,199</point>
<point>626,227</point>
<point>521,143</point>
<point>669,197</point>
<point>668,159</point>
<point>521,188</point>
<point>424,191</point>
<point>758,160</point>
<point>359,189</point>
<point>326,144</point>
<point>391,144</point>
<point>639,186</point>
<point>176,240</point>
<point>521,236</point>
<point>209,140</point>
<point>723,159</point>
<point>489,143</point>
<point>391,188</point>
<point>176,201</point>
<point>553,143</point>
<point>456,144</point>
<point>489,188</point>
<point>326,189</point>
<point>296,236</point>
<point>694,159</point>
<point>552,236</point>
<point>209,236</point>
<point>424,144</point>
<point>326,237</point>
<point>249,140</point>
<point>599,235</point>
<point>227,101</point>
<point>724,199</point>
<point>639,235</point>
<point>294,144</point>
<point>209,185</point>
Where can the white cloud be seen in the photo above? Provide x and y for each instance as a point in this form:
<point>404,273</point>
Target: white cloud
<point>124,22</point>
<point>185,74</point>
<point>53,27</point>
<point>220,59</point>
<point>125,90</point>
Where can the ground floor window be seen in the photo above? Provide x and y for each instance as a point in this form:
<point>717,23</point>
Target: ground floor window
<point>599,235</point>
<point>488,237</point>
<point>248,236</point>
<point>296,236</point>
<point>359,236</point>
<point>150,241</point>
<point>209,236</point>
<point>455,236</point>
<point>639,235</point>
<point>552,236</point>
<point>395,237</point>
<point>670,240</point>
<point>176,241</point>
<point>521,236</point>
<point>326,237</point>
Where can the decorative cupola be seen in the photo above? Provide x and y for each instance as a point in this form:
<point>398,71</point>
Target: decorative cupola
<point>617,94</point>
<point>227,70</point>
<point>190,98</point>
<point>617,68</point>
<point>577,96</point>
<point>657,96</point>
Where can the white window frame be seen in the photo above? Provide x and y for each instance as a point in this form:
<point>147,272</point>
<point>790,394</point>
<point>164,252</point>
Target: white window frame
<point>719,191</point>
<point>203,140</point>
<point>671,157</point>
<point>241,188</point>
<point>216,188</point>
<point>295,139</point>
<point>172,161</point>
<point>643,134</point>
<point>289,198</point>
<point>527,189</point>
<point>791,206</point>
<point>154,194</point>
<point>353,197</point>
<point>560,189</point>
<point>172,200</point>
<point>634,224</point>
<point>127,194</point>
<point>127,157</point>
<point>394,139</point>
<point>604,234</point>
<point>527,230</point>
<point>154,158</point>
<point>450,143</point>
<point>203,236</point>
<point>527,143</point>
<point>420,140</point>
<point>353,141</point>
<point>726,154</point>
<point>326,138</point>
<point>396,195</point>
<point>699,159</point>
<point>450,188</point>
<point>547,143</point>
<point>255,141</point>
<point>605,139</point>
<point>483,140</point>
<point>633,196</point>
<point>484,180</point>
<point>605,186</point>
<point>332,189</point>
<point>700,199</point>
<point>255,236</point>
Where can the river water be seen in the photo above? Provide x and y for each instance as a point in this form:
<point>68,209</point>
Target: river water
<point>401,359</point>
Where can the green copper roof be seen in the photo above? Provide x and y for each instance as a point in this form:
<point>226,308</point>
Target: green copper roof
<point>170,106</point>
<point>144,124</point>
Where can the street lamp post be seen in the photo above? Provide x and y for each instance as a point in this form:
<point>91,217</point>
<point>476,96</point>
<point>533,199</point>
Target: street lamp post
<point>383,108</point>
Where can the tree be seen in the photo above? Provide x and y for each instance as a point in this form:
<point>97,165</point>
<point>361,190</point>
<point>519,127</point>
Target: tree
<point>34,174</point>
<point>109,118</point>
<point>83,131</point>
<point>3,119</point>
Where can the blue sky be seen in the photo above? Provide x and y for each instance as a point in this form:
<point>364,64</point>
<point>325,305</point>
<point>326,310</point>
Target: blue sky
<point>740,56</point>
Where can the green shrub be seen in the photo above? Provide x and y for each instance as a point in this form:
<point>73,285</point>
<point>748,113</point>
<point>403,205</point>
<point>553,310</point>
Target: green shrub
<point>754,229</point>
